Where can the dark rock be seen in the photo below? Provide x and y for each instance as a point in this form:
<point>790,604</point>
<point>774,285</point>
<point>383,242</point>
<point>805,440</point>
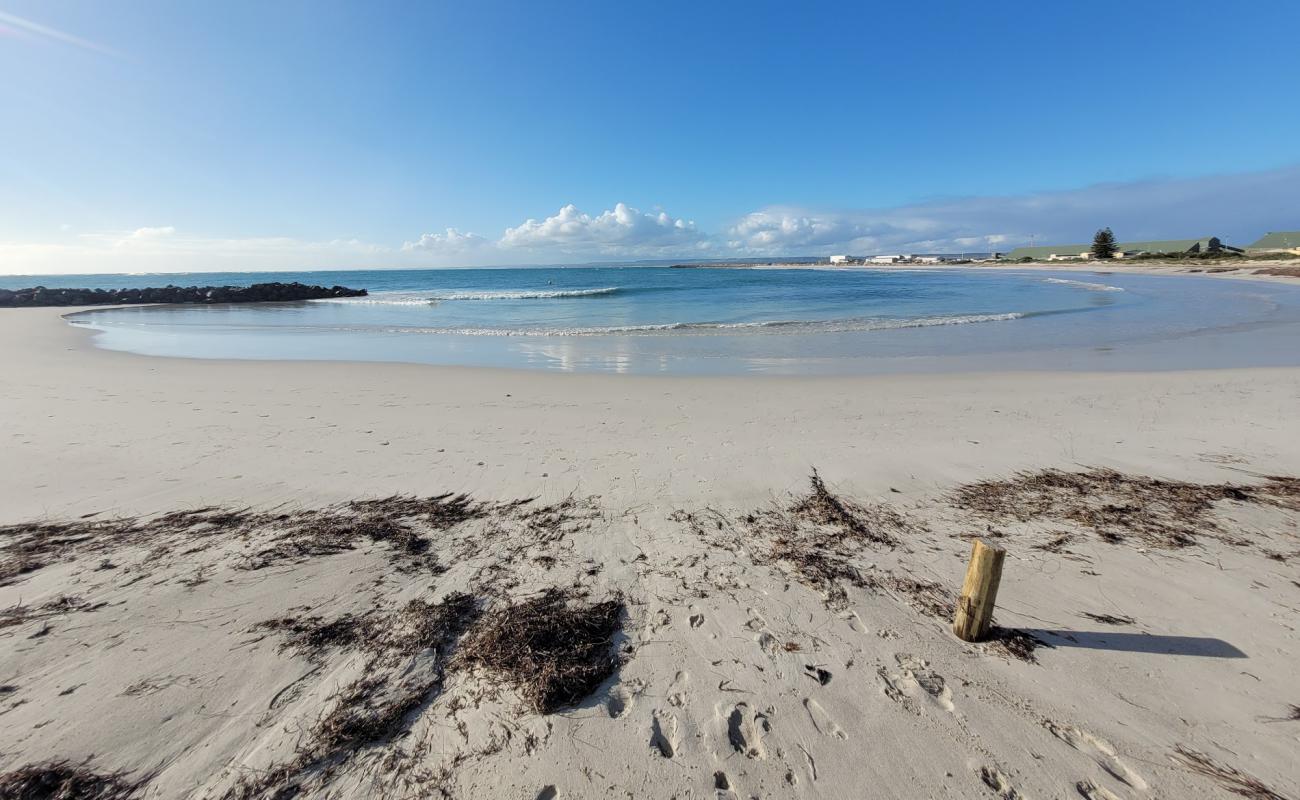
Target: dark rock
<point>257,293</point>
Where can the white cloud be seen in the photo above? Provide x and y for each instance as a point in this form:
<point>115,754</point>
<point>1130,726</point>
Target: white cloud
<point>145,235</point>
<point>1237,208</point>
<point>453,241</point>
<point>164,249</point>
<point>620,230</point>
<point>46,33</point>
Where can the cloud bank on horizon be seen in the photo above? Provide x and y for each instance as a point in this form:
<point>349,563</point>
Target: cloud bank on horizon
<point>1238,208</point>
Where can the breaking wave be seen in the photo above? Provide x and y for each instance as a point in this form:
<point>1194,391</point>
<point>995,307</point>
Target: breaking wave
<point>1093,287</point>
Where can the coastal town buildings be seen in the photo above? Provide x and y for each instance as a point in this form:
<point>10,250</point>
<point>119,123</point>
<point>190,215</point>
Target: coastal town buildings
<point>1060,252</point>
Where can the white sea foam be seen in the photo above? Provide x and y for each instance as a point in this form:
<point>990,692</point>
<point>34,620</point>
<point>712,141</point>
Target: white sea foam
<point>706,328</point>
<point>381,299</point>
<point>1092,287</point>
<point>426,298</point>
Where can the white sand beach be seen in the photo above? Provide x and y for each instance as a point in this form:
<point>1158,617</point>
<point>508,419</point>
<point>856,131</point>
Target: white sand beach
<point>773,640</point>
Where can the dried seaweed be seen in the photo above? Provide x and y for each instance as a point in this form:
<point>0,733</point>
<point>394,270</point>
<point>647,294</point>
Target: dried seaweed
<point>554,649</point>
<point>818,535</point>
<point>313,636</point>
<point>19,613</point>
<point>1230,778</point>
<point>854,520</point>
<point>63,780</point>
<point>380,706</point>
<point>440,512</point>
<point>1160,513</point>
<point>1107,619</point>
<point>1015,643</point>
<point>1056,544</point>
<point>928,597</point>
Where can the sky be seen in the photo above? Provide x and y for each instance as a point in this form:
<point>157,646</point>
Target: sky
<point>142,136</point>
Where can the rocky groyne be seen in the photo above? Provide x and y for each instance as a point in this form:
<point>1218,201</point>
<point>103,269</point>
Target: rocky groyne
<point>257,293</point>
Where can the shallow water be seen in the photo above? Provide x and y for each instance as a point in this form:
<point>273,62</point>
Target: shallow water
<point>730,321</point>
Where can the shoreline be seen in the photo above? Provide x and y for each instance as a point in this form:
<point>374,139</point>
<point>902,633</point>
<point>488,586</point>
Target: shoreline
<point>1153,351</point>
<point>61,361</point>
<point>1227,270</point>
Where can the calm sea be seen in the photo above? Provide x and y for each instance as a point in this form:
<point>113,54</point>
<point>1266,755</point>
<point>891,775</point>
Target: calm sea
<point>728,321</point>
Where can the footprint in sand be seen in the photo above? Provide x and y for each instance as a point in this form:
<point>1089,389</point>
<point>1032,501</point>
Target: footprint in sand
<point>1092,791</point>
<point>855,622</point>
<point>621,698</point>
<point>696,618</point>
<point>745,731</point>
<point>1100,750</point>
<point>822,721</point>
<point>663,734</point>
<point>660,620</point>
<point>677,690</point>
<point>998,781</point>
<point>914,681</point>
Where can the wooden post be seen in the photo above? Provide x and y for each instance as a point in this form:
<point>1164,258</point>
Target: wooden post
<point>979,592</point>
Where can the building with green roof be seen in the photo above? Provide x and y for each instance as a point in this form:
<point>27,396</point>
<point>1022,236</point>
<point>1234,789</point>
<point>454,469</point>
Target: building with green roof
<point>1057,252</point>
<point>1277,242</point>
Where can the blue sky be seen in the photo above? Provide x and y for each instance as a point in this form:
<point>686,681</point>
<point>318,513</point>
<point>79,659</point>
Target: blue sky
<point>144,136</point>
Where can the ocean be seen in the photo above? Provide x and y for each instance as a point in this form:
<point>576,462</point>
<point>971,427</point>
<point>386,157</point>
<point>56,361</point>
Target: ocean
<point>726,321</point>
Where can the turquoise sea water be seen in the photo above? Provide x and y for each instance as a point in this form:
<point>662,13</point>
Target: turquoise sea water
<point>729,321</point>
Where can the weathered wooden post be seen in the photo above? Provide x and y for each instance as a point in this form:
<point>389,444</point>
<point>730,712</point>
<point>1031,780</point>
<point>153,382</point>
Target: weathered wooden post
<point>979,592</point>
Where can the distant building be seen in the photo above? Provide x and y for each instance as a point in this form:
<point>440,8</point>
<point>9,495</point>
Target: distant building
<point>1059,252</point>
<point>839,259</point>
<point>886,259</point>
<point>1277,242</point>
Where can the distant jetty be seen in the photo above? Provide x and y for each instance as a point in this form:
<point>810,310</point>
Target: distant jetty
<point>257,293</point>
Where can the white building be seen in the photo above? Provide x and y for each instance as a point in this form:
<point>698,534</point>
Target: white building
<point>839,259</point>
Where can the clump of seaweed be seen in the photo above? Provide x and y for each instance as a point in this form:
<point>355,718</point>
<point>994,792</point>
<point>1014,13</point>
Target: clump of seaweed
<point>31,546</point>
<point>876,523</point>
<point>928,597</point>
<point>1056,544</point>
<point>1292,713</point>
<point>1015,643</point>
<point>817,563</point>
<point>416,627</point>
<point>554,521</point>
<point>1115,506</point>
<point>328,532</point>
<point>313,636</point>
<point>381,705</point>
<point>1230,778</point>
<point>422,625</point>
<point>441,512</point>
<point>63,780</point>
<point>1108,619</point>
<point>554,649</point>
<point>20,613</point>
<point>817,536</point>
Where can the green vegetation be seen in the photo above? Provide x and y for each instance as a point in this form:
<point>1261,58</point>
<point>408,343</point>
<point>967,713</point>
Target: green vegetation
<point>1103,244</point>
